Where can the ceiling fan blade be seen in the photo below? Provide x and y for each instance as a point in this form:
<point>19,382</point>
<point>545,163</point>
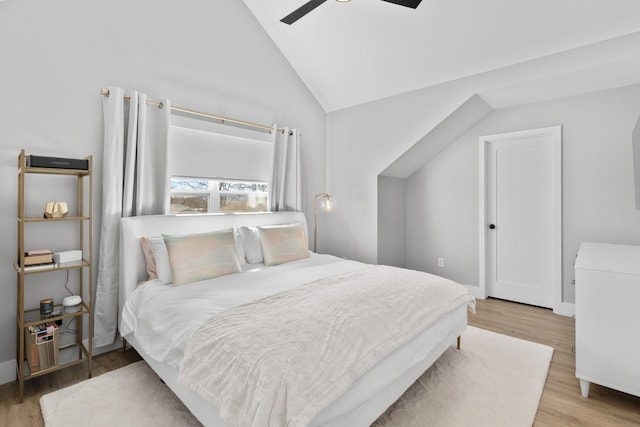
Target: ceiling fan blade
<point>301,11</point>
<point>407,3</point>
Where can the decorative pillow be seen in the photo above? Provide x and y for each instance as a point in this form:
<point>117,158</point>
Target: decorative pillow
<point>161,257</point>
<point>283,243</point>
<point>252,245</point>
<point>148,257</point>
<point>157,257</point>
<point>201,256</point>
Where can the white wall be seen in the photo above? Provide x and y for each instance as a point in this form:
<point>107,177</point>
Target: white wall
<point>363,141</point>
<point>392,227</point>
<point>211,56</point>
<point>448,180</point>
<point>636,160</point>
<point>598,183</point>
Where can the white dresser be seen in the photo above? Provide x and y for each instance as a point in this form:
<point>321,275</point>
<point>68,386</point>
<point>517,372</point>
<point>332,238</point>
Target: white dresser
<point>608,317</point>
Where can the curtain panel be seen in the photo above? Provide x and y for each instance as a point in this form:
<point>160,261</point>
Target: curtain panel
<point>134,182</point>
<point>285,184</point>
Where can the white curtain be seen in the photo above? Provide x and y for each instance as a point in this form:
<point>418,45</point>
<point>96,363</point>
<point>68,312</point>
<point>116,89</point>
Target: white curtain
<point>134,182</point>
<point>285,182</point>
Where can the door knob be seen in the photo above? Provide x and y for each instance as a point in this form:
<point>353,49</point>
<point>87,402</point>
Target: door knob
<point>492,226</point>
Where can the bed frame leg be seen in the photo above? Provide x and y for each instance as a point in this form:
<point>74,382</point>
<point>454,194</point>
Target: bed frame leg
<point>124,345</point>
<point>458,342</point>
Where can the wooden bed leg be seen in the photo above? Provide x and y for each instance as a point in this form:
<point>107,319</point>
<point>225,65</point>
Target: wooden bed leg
<point>124,345</point>
<point>458,342</point>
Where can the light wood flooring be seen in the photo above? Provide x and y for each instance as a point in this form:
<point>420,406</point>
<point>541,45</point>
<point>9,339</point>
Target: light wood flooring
<point>561,403</point>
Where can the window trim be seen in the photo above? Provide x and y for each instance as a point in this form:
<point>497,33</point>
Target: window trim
<point>214,193</point>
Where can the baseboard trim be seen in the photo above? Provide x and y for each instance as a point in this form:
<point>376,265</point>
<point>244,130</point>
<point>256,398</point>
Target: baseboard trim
<point>8,371</point>
<point>117,344</point>
<point>476,291</point>
<point>565,309</point>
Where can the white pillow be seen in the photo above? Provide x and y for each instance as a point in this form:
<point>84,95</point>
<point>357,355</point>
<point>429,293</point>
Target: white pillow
<point>237,236</point>
<point>252,245</point>
<point>160,254</point>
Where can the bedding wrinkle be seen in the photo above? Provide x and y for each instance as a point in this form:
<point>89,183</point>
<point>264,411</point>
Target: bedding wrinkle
<point>280,360</point>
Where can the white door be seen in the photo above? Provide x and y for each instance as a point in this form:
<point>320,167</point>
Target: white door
<point>522,221</point>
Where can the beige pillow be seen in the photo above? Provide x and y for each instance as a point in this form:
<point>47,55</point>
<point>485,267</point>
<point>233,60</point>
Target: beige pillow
<point>201,256</point>
<point>283,243</point>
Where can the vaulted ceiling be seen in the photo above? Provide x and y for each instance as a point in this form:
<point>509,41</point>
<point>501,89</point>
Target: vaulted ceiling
<point>362,50</point>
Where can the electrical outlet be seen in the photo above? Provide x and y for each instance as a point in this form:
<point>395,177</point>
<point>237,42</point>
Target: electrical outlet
<point>440,262</point>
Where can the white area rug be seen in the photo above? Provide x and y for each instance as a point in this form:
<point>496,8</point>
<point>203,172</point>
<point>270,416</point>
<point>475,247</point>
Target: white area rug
<point>495,380</point>
<point>132,396</point>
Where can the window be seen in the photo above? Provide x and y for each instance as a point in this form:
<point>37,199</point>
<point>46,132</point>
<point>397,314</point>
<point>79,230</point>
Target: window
<point>202,195</point>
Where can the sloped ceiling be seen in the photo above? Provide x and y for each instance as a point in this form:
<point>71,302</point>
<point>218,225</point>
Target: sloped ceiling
<point>452,127</point>
<point>351,53</point>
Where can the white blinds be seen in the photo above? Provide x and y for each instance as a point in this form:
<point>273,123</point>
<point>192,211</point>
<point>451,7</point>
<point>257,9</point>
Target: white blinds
<point>197,153</point>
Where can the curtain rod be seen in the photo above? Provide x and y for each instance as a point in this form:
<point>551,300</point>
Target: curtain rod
<point>223,120</point>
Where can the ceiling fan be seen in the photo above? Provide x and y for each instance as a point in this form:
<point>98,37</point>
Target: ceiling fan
<point>312,4</point>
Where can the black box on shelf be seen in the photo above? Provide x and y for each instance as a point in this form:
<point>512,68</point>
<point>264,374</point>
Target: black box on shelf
<point>57,162</point>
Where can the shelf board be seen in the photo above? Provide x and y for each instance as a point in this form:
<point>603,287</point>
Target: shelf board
<point>66,266</point>
<point>67,356</point>
<point>57,171</point>
<point>33,317</point>
<point>66,218</point>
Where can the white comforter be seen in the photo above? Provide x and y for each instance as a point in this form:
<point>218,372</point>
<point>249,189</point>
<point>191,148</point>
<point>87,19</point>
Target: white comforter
<point>281,360</point>
<point>164,317</point>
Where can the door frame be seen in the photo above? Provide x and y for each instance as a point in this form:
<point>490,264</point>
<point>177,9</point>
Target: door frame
<point>555,132</point>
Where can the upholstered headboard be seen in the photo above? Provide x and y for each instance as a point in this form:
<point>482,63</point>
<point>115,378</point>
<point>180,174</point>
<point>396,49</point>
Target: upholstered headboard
<point>132,262</point>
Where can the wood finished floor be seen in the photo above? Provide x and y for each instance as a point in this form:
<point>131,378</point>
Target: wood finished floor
<point>560,405</point>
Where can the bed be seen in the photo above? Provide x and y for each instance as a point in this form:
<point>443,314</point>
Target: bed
<point>168,324</point>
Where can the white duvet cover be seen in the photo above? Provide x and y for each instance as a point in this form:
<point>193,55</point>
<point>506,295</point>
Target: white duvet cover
<point>281,360</point>
<point>163,317</point>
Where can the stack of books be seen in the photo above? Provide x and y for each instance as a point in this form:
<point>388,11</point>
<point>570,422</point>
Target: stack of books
<point>38,259</point>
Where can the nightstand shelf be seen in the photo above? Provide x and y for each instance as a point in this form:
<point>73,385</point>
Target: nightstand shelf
<point>79,264</point>
<point>33,317</point>
<point>55,171</point>
<point>70,355</point>
<point>67,218</point>
<point>52,349</point>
